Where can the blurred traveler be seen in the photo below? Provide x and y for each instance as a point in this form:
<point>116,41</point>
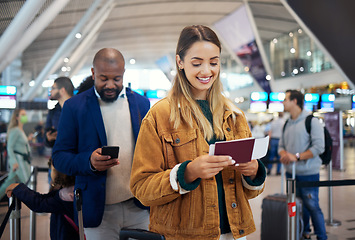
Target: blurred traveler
<point>275,134</point>
<point>18,151</point>
<point>86,84</point>
<point>193,195</point>
<point>107,114</point>
<point>59,202</point>
<point>39,138</point>
<point>61,91</point>
<point>296,145</point>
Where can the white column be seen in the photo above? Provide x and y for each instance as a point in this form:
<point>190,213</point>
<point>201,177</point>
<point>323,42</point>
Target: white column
<point>18,25</point>
<point>33,31</point>
<point>260,44</point>
<point>67,45</point>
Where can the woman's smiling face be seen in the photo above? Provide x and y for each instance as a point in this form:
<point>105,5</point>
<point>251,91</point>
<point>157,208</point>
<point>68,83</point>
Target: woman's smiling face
<point>201,65</point>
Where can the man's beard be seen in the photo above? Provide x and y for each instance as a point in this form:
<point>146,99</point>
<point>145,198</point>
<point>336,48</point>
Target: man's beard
<point>109,99</point>
<point>54,97</point>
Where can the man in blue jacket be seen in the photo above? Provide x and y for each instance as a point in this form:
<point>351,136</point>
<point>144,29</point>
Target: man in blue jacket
<point>107,114</point>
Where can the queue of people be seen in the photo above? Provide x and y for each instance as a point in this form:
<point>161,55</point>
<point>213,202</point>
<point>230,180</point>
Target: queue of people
<point>164,179</point>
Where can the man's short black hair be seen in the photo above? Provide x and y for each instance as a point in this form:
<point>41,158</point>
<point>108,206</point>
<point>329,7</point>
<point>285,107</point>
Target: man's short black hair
<point>295,94</point>
<point>66,83</point>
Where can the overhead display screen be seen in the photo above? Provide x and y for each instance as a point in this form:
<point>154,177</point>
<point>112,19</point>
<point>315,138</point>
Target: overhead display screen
<point>258,101</point>
<point>311,101</point>
<point>275,103</point>
<point>327,102</point>
<point>8,97</point>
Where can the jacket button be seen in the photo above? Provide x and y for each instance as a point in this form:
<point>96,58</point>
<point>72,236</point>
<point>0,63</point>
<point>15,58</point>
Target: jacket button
<point>231,180</point>
<point>241,231</point>
<point>177,140</point>
<point>228,129</point>
<point>234,205</point>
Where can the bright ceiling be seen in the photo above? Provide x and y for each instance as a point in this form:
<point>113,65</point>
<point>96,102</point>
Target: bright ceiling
<point>141,29</point>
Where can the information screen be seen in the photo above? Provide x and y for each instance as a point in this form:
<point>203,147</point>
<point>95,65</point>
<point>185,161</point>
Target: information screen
<point>311,101</point>
<point>8,97</point>
<point>327,102</point>
<point>258,101</point>
<point>276,99</point>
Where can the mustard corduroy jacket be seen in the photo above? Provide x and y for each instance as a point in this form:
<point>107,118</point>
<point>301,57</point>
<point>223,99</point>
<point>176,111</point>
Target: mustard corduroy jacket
<point>194,215</point>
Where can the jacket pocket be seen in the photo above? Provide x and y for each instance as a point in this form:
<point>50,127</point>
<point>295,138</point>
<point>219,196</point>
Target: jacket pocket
<point>179,147</point>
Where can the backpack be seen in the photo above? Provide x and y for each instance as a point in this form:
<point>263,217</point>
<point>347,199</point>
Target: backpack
<point>326,156</point>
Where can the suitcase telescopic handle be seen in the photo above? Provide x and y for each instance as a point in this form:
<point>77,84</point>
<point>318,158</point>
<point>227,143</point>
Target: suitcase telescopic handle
<point>79,202</point>
<point>78,199</point>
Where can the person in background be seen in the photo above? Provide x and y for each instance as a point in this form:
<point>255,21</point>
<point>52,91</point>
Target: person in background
<point>86,84</point>
<point>59,202</point>
<point>39,137</point>
<point>18,151</point>
<point>275,132</point>
<point>61,91</point>
<point>303,149</point>
<point>193,195</point>
<point>108,114</point>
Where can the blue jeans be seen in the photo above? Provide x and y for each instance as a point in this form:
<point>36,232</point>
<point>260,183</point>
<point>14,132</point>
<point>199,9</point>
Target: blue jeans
<point>274,145</point>
<point>311,209</point>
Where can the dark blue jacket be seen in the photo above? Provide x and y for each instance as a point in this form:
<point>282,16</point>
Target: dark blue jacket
<point>81,130</point>
<point>52,122</point>
<point>60,228</point>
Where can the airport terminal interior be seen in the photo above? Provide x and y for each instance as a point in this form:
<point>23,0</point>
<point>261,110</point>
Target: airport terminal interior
<point>268,46</point>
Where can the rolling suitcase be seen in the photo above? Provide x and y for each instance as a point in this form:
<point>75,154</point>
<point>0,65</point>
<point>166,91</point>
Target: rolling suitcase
<point>274,216</point>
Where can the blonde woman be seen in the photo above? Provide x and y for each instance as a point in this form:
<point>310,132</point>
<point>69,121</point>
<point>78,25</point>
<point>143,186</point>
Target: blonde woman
<point>18,151</point>
<point>193,195</point>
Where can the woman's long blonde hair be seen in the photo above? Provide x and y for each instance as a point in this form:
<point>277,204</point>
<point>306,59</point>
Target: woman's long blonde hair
<point>183,106</point>
<point>13,121</point>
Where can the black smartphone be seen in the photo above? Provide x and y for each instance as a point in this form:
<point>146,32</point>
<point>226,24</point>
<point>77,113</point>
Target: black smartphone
<point>112,151</point>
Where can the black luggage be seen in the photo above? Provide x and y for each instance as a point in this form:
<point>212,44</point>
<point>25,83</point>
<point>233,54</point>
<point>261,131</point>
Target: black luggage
<point>274,224</point>
<point>274,215</point>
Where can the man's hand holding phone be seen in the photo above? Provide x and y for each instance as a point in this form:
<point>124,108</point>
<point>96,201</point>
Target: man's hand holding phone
<point>104,158</point>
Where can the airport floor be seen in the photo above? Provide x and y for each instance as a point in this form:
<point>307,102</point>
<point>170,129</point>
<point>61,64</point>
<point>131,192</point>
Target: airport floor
<point>343,203</point>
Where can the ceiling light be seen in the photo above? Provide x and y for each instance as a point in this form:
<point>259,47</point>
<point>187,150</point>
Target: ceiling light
<point>172,72</point>
<point>290,34</point>
<point>66,60</point>
<point>295,71</point>
<point>274,40</point>
<point>223,75</point>
<point>78,35</point>
<point>132,61</point>
<point>64,69</point>
<point>300,31</point>
<point>268,77</point>
<point>309,53</point>
<point>292,50</point>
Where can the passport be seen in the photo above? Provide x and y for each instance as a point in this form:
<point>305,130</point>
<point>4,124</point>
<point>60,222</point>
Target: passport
<point>241,150</point>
